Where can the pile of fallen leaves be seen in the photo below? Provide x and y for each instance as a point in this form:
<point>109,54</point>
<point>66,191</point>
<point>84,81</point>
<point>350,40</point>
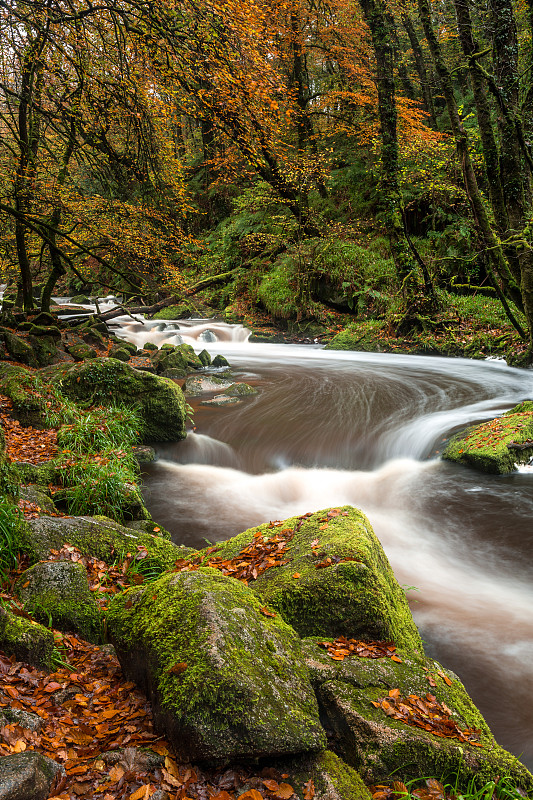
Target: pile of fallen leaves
<point>433,790</point>
<point>26,443</point>
<point>342,647</point>
<point>263,552</point>
<point>89,712</point>
<point>426,713</point>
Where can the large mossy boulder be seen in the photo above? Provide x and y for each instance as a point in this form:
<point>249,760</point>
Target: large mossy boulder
<point>18,383</point>
<point>225,681</point>
<point>33,644</point>
<point>379,745</point>
<point>100,537</point>
<point>58,591</point>
<point>336,579</point>
<point>107,381</point>
<point>19,349</point>
<point>496,446</point>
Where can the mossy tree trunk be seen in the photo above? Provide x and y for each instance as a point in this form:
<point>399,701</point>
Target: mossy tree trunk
<point>377,19</point>
<point>420,64</point>
<point>498,264</point>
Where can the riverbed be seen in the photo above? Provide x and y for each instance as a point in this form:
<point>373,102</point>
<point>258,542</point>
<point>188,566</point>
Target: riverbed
<point>333,428</point>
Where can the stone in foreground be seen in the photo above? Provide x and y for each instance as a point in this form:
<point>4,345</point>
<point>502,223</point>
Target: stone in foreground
<point>496,446</point>
<point>332,778</point>
<point>226,681</point>
<point>59,591</point>
<point>33,644</point>
<point>378,745</point>
<point>27,776</point>
<point>337,579</point>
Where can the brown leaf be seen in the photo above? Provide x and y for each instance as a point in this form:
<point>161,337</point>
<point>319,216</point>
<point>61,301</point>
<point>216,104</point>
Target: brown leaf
<point>266,612</point>
<point>251,794</point>
<point>284,792</point>
<point>178,668</point>
<point>309,787</point>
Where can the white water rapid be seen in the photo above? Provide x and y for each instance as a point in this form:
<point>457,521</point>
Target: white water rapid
<point>330,428</point>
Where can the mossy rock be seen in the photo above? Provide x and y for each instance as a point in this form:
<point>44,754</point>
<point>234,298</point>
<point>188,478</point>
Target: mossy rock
<point>357,595</point>
<point>120,352</point>
<point>220,361</point>
<point>150,346</point>
<point>159,401</point>
<point>332,778</point>
<point>189,355</point>
<point>205,358</point>
<point>31,643</point>
<point>100,537</point>
<point>46,319</point>
<point>80,298</point>
<point>169,358</point>
<point>225,681</point>
<point>58,591</point>
<point>44,347</point>
<point>50,331</point>
<point>81,351</point>
<point>240,390</point>
<point>18,384</point>
<point>27,776</point>
<point>179,311</point>
<point>32,493</point>
<point>20,350</point>
<point>359,336</point>
<point>39,474</point>
<point>379,746</point>
<point>487,447</point>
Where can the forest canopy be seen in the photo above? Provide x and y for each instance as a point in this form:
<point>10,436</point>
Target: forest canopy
<point>313,153</point>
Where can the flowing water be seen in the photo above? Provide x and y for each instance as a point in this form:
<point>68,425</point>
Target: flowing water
<point>332,428</point>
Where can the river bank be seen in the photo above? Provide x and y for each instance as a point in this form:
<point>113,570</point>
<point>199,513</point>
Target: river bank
<point>248,361</point>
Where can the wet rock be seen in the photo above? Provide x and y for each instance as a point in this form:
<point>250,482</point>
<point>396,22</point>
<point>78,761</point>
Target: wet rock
<point>205,358</point>
<point>220,361</point>
<point>208,336</point>
<point>241,390</point>
<point>27,776</point>
<point>144,454</point>
<point>44,318</point>
<point>159,401</point>
<point>32,644</point>
<point>59,591</point>
<point>82,299</point>
<point>44,347</point>
<point>198,384</point>
<point>221,400</point>
<point>226,682</point>
<point>378,745</point>
<point>337,581</point>
<point>150,346</point>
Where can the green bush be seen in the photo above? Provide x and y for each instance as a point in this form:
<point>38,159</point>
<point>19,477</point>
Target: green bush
<point>10,543</point>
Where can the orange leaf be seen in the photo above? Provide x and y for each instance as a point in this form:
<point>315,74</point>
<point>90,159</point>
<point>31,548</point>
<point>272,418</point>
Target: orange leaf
<point>267,613</point>
<point>142,793</point>
<point>309,787</point>
<point>251,794</point>
<point>284,792</point>
<point>178,668</point>
<point>296,575</point>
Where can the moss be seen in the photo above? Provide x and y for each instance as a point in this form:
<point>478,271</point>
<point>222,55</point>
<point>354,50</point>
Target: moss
<point>28,642</point>
<point>58,593</point>
<point>107,381</point>
<point>120,353</point>
<point>18,384</point>
<point>358,597</point>
<point>20,350</point>
<point>240,390</point>
<point>485,447</point>
<point>205,358</point>
<point>359,336</point>
<point>49,331</point>
<point>39,474</point>
<point>44,347</point>
<point>236,695</point>
<point>379,746</point>
<point>333,779</point>
<point>97,536</point>
<point>81,351</point>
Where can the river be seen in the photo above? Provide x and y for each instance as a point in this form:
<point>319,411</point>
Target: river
<point>332,428</point>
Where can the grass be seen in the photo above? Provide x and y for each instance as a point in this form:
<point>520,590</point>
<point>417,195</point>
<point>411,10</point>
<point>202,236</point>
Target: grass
<point>99,430</point>
<point>9,537</point>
